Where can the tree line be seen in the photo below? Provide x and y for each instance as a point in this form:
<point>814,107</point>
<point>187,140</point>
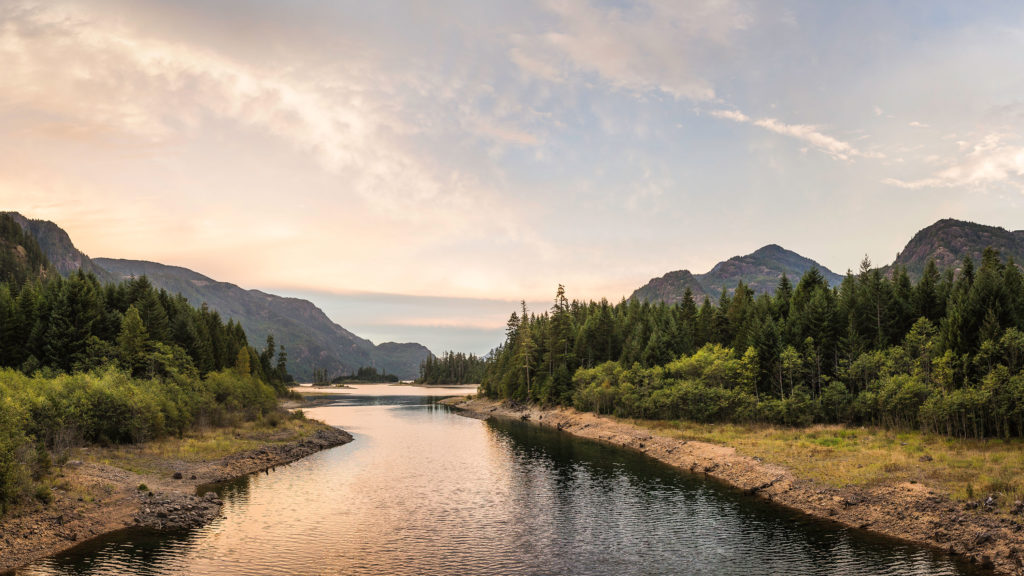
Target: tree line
<point>452,368</point>
<point>82,362</point>
<point>944,353</point>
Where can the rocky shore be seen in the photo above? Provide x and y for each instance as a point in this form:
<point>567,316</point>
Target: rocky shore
<point>95,498</point>
<point>908,511</point>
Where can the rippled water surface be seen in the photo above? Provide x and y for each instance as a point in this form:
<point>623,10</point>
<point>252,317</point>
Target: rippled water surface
<point>424,491</point>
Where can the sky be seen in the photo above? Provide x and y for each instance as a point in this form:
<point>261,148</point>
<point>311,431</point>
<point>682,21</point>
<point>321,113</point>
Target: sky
<point>417,168</point>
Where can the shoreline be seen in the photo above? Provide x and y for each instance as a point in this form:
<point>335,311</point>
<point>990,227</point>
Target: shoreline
<point>905,511</point>
<point>95,497</point>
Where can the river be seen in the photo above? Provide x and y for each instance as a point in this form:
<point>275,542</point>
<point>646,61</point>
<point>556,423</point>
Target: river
<point>423,491</point>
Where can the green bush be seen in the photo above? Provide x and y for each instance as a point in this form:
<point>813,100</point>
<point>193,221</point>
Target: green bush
<point>41,412</point>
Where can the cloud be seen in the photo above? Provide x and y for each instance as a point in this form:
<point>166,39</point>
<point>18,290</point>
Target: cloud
<point>734,115</point>
<point>95,79</point>
<point>990,161</point>
<point>916,124</point>
<point>641,47</point>
<point>802,132</point>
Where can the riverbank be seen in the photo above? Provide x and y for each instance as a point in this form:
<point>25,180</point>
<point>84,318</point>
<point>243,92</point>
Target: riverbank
<point>153,485</point>
<point>989,535</point>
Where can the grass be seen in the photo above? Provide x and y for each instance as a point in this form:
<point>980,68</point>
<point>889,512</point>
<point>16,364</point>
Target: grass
<point>158,456</point>
<point>840,456</point>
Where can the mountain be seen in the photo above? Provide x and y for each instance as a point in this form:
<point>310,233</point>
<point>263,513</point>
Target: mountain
<point>59,249</point>
<point>311,339</point>
<point>760,270</point>
<point>670,288</point>
<point>21,258</point>
<point>948,241</point>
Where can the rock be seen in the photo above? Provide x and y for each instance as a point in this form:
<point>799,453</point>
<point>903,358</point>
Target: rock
<point>925,458</point>
<point>177,476</point>
<point>990,501</point>
<point>981,539</point>
<point>1018,507</point>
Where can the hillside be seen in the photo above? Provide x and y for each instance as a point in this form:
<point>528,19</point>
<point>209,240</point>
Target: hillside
<point>948,241</point>
<point>671,288</point>
<point>309,336</point>
<point>760,270</point>
<point>30,248</point>
<point>59,249</point>
<point>21,258</point>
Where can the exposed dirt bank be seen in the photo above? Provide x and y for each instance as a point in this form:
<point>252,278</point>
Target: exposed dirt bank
<point>94,498</point>
<point>908,511</point>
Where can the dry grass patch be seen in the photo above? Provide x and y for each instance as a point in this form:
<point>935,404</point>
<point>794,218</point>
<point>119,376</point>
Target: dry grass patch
<point>841,456</point>
<point>205,444</point>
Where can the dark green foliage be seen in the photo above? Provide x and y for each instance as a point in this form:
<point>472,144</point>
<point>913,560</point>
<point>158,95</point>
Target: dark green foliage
<point>363,374</point>
<point>40,413</point>
<point>80,362</point>
<point>21,258</point>
<point>312,339</point>
<point>452,368</point>
<point>945,354</point>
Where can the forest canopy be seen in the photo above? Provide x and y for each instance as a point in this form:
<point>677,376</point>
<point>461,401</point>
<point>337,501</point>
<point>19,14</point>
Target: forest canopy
<point>944,353</point>
<point>82,362</point>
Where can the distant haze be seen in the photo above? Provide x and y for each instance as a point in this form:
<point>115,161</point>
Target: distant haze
<point>458,324</point>
<point>458,156</point>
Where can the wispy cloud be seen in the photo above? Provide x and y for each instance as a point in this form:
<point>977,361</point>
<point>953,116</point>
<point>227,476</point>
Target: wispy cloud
<point>642,47</point>
<point>803,132</point>
<point>126,85</point>
<point>990,161</point>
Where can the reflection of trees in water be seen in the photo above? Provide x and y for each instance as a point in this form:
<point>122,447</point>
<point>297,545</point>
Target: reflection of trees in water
<point>578,484</point>
<point>232,490</point>
<point>136,550</point>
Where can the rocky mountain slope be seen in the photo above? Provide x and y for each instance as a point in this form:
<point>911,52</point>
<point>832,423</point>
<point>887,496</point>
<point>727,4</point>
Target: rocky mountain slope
<point>948,241</point>
<point>311,339</point>
<point>21,258</point>
<point>760,270</point>
<point>59,249</point>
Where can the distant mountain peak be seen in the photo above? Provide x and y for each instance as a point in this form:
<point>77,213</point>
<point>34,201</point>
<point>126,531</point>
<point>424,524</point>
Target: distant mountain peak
<point>760,271</point>
<point>771,249</point>
<point>949,240</point>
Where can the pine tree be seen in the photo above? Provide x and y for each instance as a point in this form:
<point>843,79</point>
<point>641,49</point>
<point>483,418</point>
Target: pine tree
<point>133,342</point>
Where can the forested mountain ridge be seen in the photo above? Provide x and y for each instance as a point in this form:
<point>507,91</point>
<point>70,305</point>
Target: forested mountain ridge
<point>21,258</point>
<point>948,241</point>
<point>311,338</point>
<point>759,270</point>
<point>58,248</point>
<point>671,289</point>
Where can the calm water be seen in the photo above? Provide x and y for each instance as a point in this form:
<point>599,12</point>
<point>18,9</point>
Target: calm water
<point>423,491</point>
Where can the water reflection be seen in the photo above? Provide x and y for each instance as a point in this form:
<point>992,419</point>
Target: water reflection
<point>422,491</point>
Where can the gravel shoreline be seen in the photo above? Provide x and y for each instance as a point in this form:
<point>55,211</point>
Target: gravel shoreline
<point>99,499</point>
<point>906,511</point>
